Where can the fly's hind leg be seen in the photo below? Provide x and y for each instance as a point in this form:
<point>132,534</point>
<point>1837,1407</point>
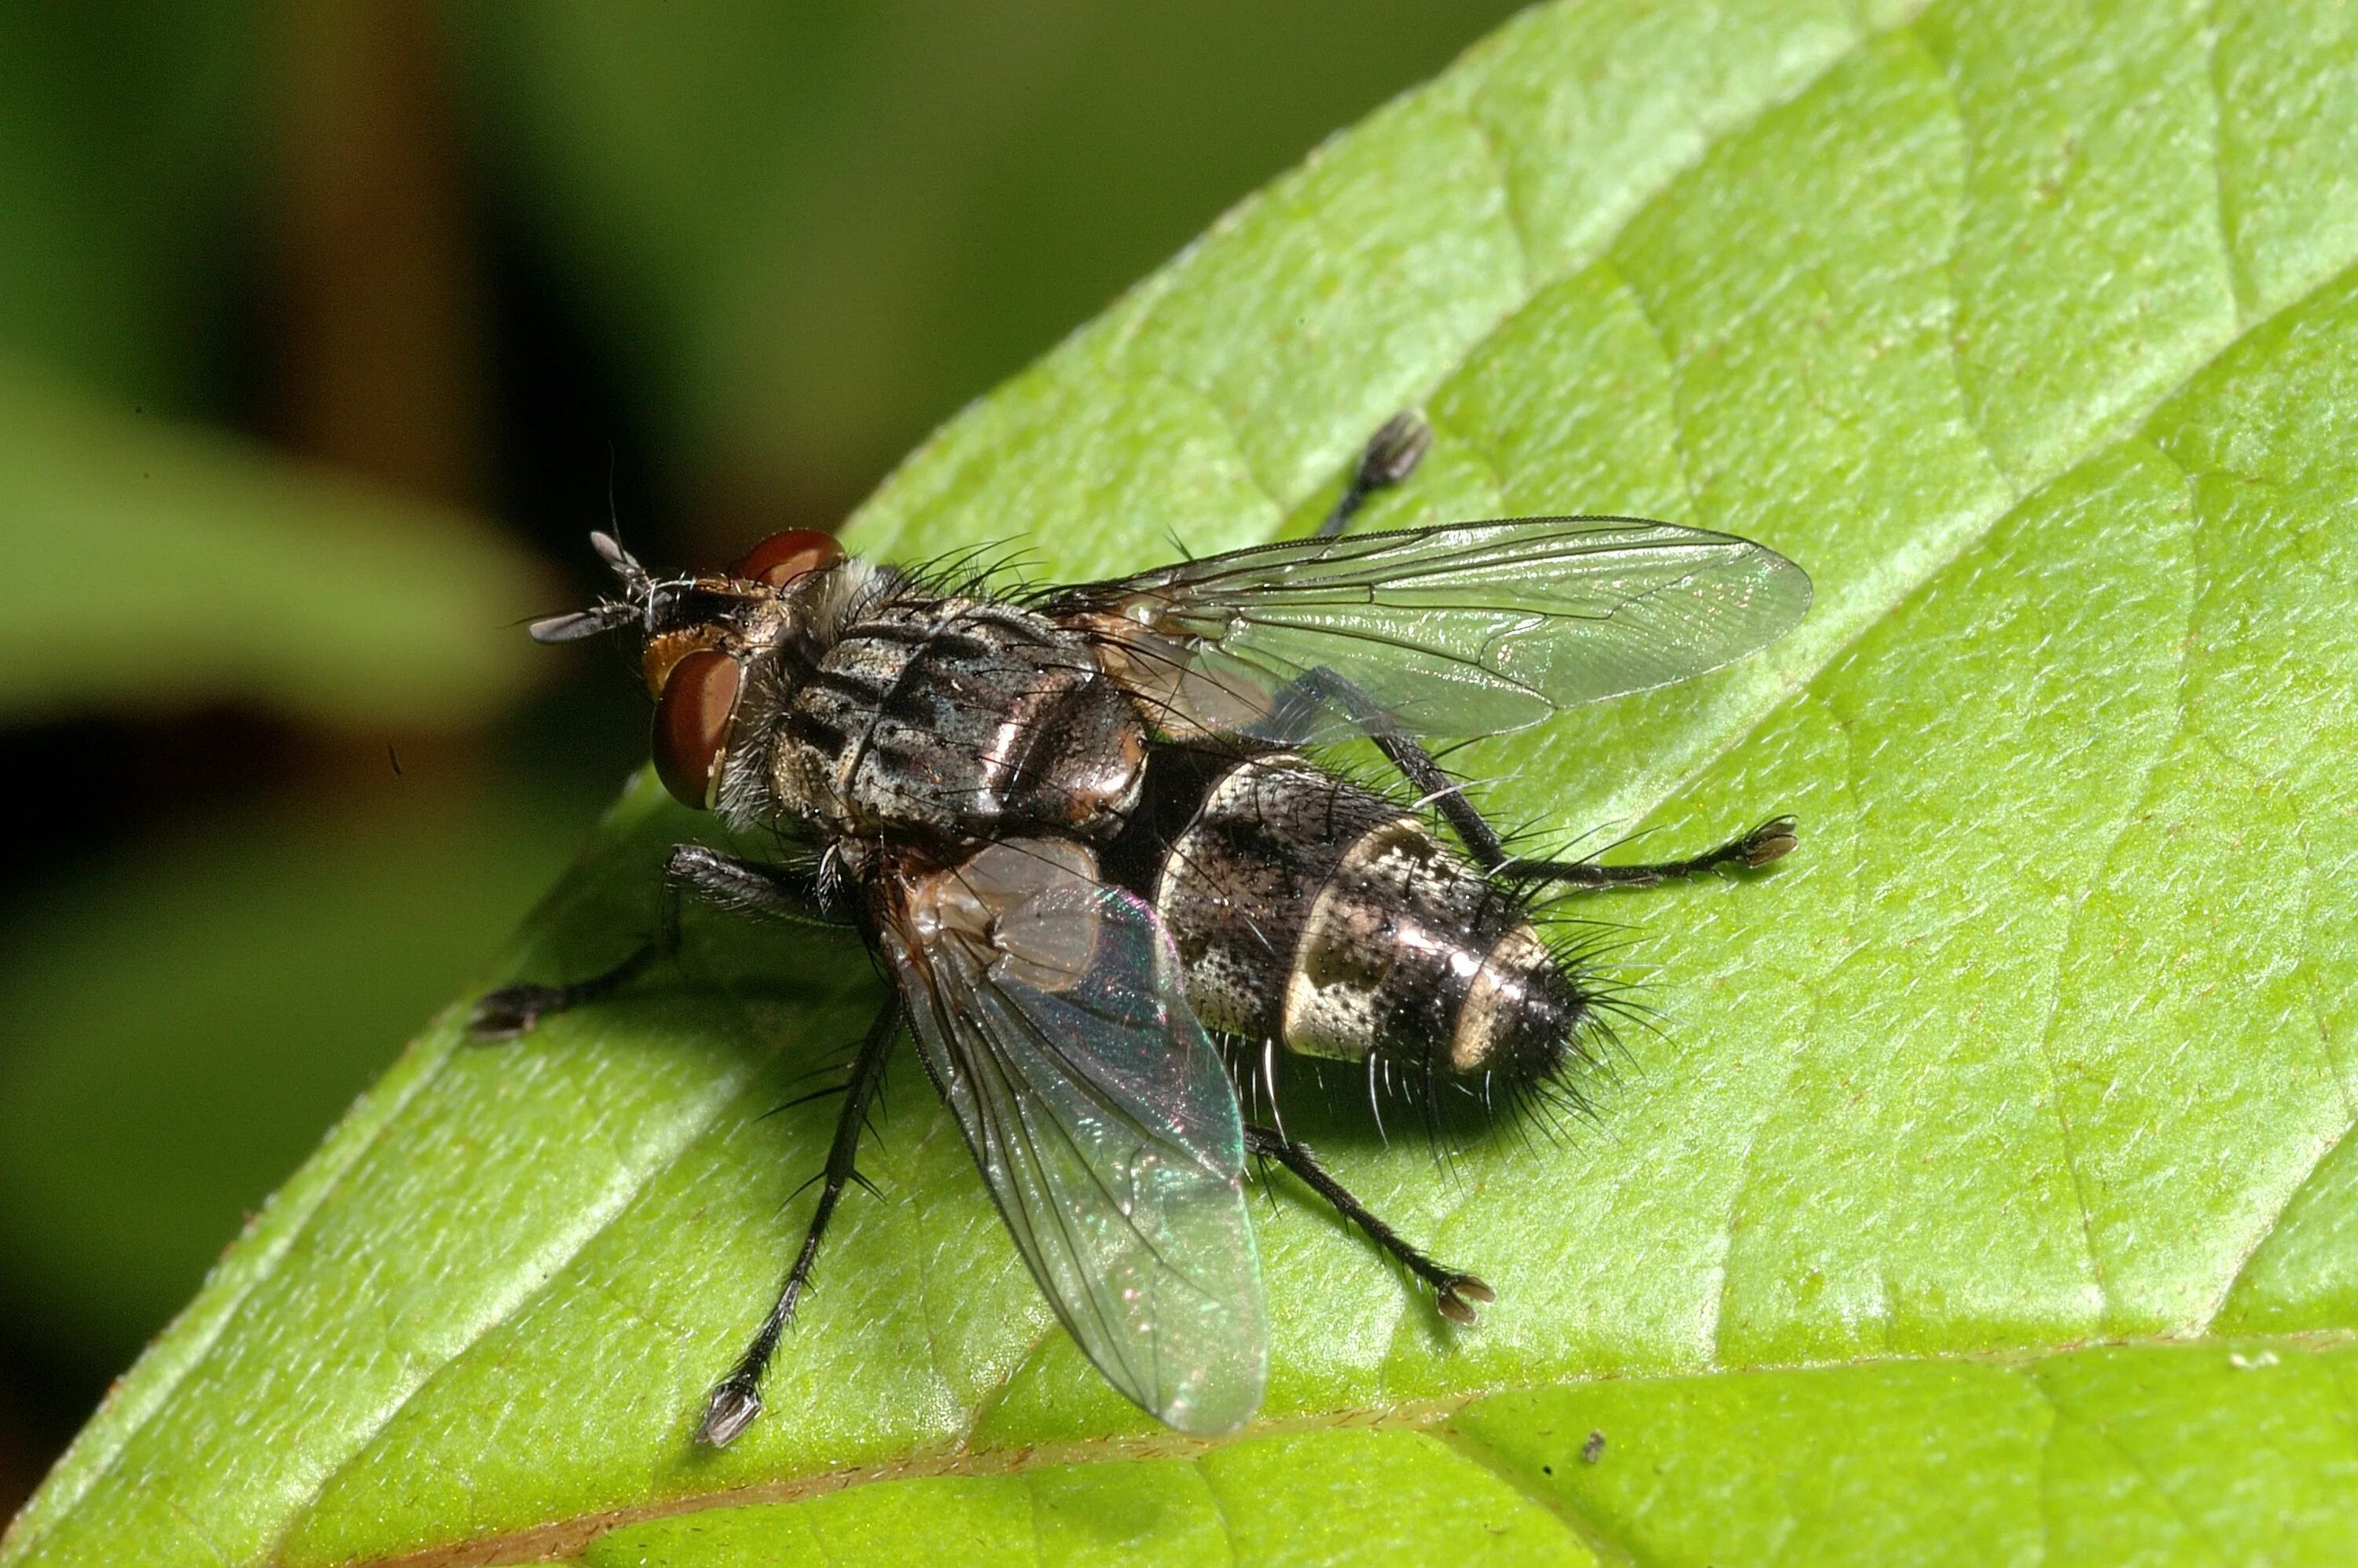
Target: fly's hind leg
<point>722,881</point>
<point>1772,840</point>
<point>1391,455</point>
<point>736,1400</point>
<point>1454,1294</point>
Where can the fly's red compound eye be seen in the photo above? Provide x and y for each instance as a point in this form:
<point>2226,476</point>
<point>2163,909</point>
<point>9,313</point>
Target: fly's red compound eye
<point>781,557</point>
<point>700,696</point>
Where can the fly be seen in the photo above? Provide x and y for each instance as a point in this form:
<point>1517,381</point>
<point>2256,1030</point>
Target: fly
<point>1085,833</point>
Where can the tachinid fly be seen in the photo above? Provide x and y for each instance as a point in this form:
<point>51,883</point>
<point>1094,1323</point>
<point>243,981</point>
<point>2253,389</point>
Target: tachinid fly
<point>1084,831</point>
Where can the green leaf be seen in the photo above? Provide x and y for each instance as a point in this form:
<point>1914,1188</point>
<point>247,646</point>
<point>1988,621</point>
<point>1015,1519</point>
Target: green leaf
<point>154,565</point>
<point>2144,1453</point>
<point>252,972</point>
<point>1984,1191</point>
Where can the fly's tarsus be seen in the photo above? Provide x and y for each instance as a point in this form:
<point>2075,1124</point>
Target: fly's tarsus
<point>1765,845</point>
<point>1391,455</point>
<point>730,1409</point>
<point>1454,1293</point>
<point>514,1010</point>
<point>725,882</point>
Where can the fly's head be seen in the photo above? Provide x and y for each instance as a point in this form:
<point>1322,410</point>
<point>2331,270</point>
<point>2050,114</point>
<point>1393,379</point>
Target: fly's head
<point>701,636</point>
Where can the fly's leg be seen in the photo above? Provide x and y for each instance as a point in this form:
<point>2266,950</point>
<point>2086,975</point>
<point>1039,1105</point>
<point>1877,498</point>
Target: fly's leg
<point>1324,688</point>
<point>722,881</point>
<point>1391,455</point>
<point>513,1010</point>
<point>1772,840</point>
<point>1454,1294</point>
<point>736,1400</point>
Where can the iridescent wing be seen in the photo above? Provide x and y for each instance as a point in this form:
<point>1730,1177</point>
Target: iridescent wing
<point>1472,629</point>
<point>1048,1009</point>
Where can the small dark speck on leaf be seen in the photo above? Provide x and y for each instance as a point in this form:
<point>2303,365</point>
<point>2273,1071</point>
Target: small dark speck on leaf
<point>1593,1449</point>
<point>394,757</point>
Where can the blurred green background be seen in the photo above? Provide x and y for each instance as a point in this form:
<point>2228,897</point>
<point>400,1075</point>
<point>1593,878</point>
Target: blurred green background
<point>326,331</point>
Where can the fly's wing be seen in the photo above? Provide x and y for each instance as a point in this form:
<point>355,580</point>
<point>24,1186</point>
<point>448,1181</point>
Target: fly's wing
<point>1472,629</point>
<point>1048,1011</point>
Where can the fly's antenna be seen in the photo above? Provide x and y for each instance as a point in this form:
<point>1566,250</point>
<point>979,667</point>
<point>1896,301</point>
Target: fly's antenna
<point>624,564</point>
<point>636,605</point>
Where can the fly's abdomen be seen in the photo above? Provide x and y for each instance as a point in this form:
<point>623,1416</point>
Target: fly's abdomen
<point>1312,912</point>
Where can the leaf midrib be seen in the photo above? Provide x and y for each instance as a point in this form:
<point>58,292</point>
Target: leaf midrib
<point>1428,1416</point>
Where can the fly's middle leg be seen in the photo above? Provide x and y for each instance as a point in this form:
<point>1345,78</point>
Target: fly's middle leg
<point>736,1400</point>
<point>1454,1294</point>
<point>722,881</point>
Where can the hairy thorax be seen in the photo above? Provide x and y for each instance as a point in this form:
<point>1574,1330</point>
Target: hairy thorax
<point>954,721</point>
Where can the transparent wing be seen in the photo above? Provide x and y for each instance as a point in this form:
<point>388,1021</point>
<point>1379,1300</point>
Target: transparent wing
<point>1472,629</point>
<point>1048,1011</point>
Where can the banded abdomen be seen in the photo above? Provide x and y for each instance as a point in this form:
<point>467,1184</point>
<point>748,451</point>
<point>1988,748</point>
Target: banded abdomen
<point>1313,912</point>
<point>956,721</point>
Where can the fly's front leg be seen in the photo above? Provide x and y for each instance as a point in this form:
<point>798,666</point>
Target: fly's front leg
<point>736,1400</point>
<point>722,881</point>
<point>1454,1294</point>
<point>1772,840</point>
<point>1391,455</point>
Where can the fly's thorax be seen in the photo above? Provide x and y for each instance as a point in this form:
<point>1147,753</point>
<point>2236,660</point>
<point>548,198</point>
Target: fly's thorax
<point>1311,911</point>
<point>955,720</point>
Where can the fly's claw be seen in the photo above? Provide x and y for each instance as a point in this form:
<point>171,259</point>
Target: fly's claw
<point>730,1409</point>
<point>1772,840</point>
<point>512,1010</point>
<point>1394,452</point>
<point>1459,1294</point>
